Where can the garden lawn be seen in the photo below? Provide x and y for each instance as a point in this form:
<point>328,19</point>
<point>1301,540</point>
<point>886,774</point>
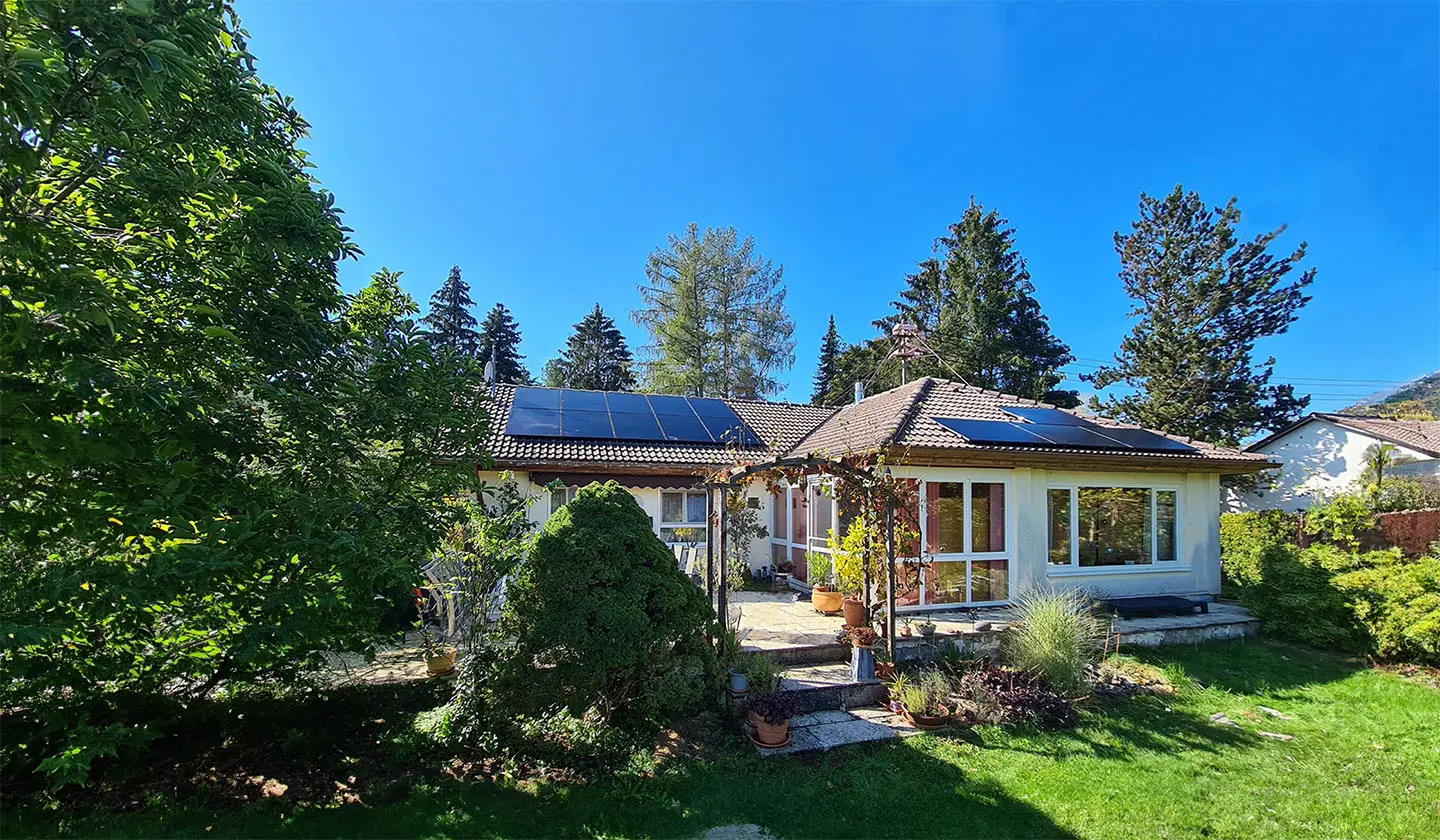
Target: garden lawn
<point>1364,762</point>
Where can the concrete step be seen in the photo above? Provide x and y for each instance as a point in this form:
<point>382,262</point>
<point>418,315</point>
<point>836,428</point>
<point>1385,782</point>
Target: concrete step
<point>825,687</point>
<point>805,654</point>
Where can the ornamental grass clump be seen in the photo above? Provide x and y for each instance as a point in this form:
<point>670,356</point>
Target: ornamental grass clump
<point>1054,637</point>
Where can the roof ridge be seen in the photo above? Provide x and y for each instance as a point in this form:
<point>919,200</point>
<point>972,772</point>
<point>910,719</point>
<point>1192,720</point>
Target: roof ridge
<point>908,411</point>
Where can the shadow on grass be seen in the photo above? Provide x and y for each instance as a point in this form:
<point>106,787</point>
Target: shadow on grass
<point>1254,666</point>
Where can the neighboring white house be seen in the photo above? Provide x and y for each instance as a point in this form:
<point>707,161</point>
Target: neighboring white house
<point>1011,494</point>
<point>1324,454</point>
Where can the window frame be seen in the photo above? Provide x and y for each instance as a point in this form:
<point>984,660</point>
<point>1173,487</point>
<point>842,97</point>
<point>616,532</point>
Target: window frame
<point>662,525</point>
<point>969,557</point>
<point>1156,565</point>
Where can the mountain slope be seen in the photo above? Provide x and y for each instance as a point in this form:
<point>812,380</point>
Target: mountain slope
<point>1412,400</point>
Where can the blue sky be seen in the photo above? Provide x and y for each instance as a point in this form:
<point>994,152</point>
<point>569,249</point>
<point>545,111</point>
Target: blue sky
<point>548,148</point>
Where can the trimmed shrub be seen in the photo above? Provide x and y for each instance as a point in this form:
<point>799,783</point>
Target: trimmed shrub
<point>1244,537</point>
<point>1295,600</point>
<point>1397,604</point>
<point>602,617</point>
<point>1054,636</point>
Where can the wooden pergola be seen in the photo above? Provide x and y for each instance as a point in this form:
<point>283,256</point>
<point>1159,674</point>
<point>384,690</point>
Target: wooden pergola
<point>870,487</point>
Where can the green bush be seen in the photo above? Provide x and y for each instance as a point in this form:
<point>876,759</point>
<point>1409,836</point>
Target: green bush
<point>1407,493</point>
<point>1244,537</point>
<point>602,617</point>
<point>1340,520</point>
<point>1397,603</point>
<point>1296,600</point>
<point>1053,637</point>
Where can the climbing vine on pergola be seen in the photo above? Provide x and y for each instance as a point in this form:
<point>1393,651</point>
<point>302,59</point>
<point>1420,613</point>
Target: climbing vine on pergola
<point>865,482</point>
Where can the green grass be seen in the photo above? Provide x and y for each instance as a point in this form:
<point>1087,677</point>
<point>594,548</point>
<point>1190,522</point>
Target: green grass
<point>1364,762</point>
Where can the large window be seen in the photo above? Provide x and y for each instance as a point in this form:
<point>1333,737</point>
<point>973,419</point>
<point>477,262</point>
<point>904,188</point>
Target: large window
<point>1111,527</point>
<point>682,517</point>
<point>966,543</point>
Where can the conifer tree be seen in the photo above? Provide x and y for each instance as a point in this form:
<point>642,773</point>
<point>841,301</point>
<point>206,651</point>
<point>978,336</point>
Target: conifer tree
<point>595,357</point>
<point>715,311</point>
<point>449,324</point>
<point>1203,298</point>
<point>500,341</point>
<point>825,369</point>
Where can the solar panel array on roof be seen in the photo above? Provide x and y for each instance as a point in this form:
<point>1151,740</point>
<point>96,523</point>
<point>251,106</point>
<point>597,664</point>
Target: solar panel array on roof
<point>562,413</point>
<point>1038,426</point>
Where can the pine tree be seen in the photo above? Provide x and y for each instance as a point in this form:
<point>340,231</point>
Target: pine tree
<point>449,324</point>
<point>500,340</point>
<point>715,311</point>
<point>1203,299</point>
<point>825,369</point>
<point>595,357</point>
<point>975,301</point>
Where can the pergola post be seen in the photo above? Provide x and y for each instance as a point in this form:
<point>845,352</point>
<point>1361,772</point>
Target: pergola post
<point>890,577</point>
<point>710,542</point>
<point>723,588</point>
<point>867,550</point>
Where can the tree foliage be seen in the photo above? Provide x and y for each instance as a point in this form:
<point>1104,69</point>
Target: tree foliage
<point>715,311</point>
<point>449,323</point>
<point>215,466</point>
<point>595,357</point>
<point>1203,298</point>
<point>603,617</point>
<point>825,369</point>
<point>500,342</point>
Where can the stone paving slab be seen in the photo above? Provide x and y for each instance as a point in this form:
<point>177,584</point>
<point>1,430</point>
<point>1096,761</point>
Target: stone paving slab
<point>815,676</point>
<point>830,729</point>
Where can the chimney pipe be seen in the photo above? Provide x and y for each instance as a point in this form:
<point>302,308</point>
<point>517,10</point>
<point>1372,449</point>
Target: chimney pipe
<point>859,391</point>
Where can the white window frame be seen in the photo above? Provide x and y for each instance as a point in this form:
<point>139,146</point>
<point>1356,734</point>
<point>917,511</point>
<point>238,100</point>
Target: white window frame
<point>569,497</point>
<point>1155,565</point>
<point>969,557</point>
<point>663,523</point>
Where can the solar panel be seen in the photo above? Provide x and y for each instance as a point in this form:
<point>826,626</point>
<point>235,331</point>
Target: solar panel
<point>582,401</point>
<point>585,424</point>
<point>1048,416</point>
<point>991,431</point>
<point>535,422</point>
<point>670,405</point>
<point>707,408</point>
<point>1074,436</point>
<point>683,427</point>
<point>536,398</point>
<point>634,426</point>
<point>733,432</point>
<point>628,403</point>
<point>1145,440</point>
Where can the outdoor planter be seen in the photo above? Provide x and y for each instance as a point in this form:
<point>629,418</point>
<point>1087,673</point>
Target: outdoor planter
<point>862,663</point>
<point>928,722</point>
<point>769,734</point>
<point>927,630</point>
<point>739,682</point>
<point>854,611</point>
<point>825,600</point>
<point>440,662</point>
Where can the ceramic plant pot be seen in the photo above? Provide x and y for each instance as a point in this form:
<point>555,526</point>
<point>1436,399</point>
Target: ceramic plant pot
<point>825,600</point>
<point>928,722</point>
<point>854,612</point>
<point>862,664</point>
<point>739,683</point>
<point>769,734</point>
<point>441,662</point>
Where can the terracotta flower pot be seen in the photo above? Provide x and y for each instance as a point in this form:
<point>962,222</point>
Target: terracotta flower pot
<point>440,662</point>
<point>769,734</point>
<point>854,612</point>
<point>825,600</point>
<point>929,722</point>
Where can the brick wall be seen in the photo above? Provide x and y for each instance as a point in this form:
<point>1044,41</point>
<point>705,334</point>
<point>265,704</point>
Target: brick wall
<point>1411,531</point>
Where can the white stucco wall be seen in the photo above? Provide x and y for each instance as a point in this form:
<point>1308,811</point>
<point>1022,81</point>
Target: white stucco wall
<point>1320,458</point>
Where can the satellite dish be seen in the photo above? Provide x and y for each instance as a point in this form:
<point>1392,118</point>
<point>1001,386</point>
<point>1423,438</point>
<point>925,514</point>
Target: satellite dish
<point>490,371</point>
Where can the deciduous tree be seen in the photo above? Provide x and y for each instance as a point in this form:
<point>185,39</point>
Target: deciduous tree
<point>1203,298</point>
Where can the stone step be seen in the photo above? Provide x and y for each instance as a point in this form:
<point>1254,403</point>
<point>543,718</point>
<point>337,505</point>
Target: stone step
<point>824,687</point>
<point>811,654</point>
<point>830,728</point>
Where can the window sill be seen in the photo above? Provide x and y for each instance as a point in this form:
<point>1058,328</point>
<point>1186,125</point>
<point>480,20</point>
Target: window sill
<point>1085,571</point>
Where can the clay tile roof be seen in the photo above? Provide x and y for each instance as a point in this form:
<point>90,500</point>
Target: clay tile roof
<point>905,417</point>
<point>1420,435</point>
<point>779,425</point>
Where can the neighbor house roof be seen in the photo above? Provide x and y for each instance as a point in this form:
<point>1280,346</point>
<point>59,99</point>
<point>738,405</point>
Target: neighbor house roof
<point>904,419</point>
<point>901,420</point>
<point>1420,435</point>
<point>778,425</point>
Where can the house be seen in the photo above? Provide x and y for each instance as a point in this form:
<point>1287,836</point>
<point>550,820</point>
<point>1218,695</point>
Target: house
<point>1011,493</point>
<point>1324,454</point>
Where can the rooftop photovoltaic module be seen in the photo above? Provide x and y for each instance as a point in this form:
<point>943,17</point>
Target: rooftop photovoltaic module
<point>1040,426</point>
<point>605,415</point>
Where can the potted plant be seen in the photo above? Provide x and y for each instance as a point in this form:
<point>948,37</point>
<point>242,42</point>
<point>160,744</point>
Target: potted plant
<point>823,594</point>
<point>862,654</point>
<point>762,676</point>
<point>884,668</point>
<point>439,657</point>
<point>897,686</point>
<point>926,627</point>
<point>770,715</point>
<point>927,701</point>
<point>739,675</point>
<point>907,627</point>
